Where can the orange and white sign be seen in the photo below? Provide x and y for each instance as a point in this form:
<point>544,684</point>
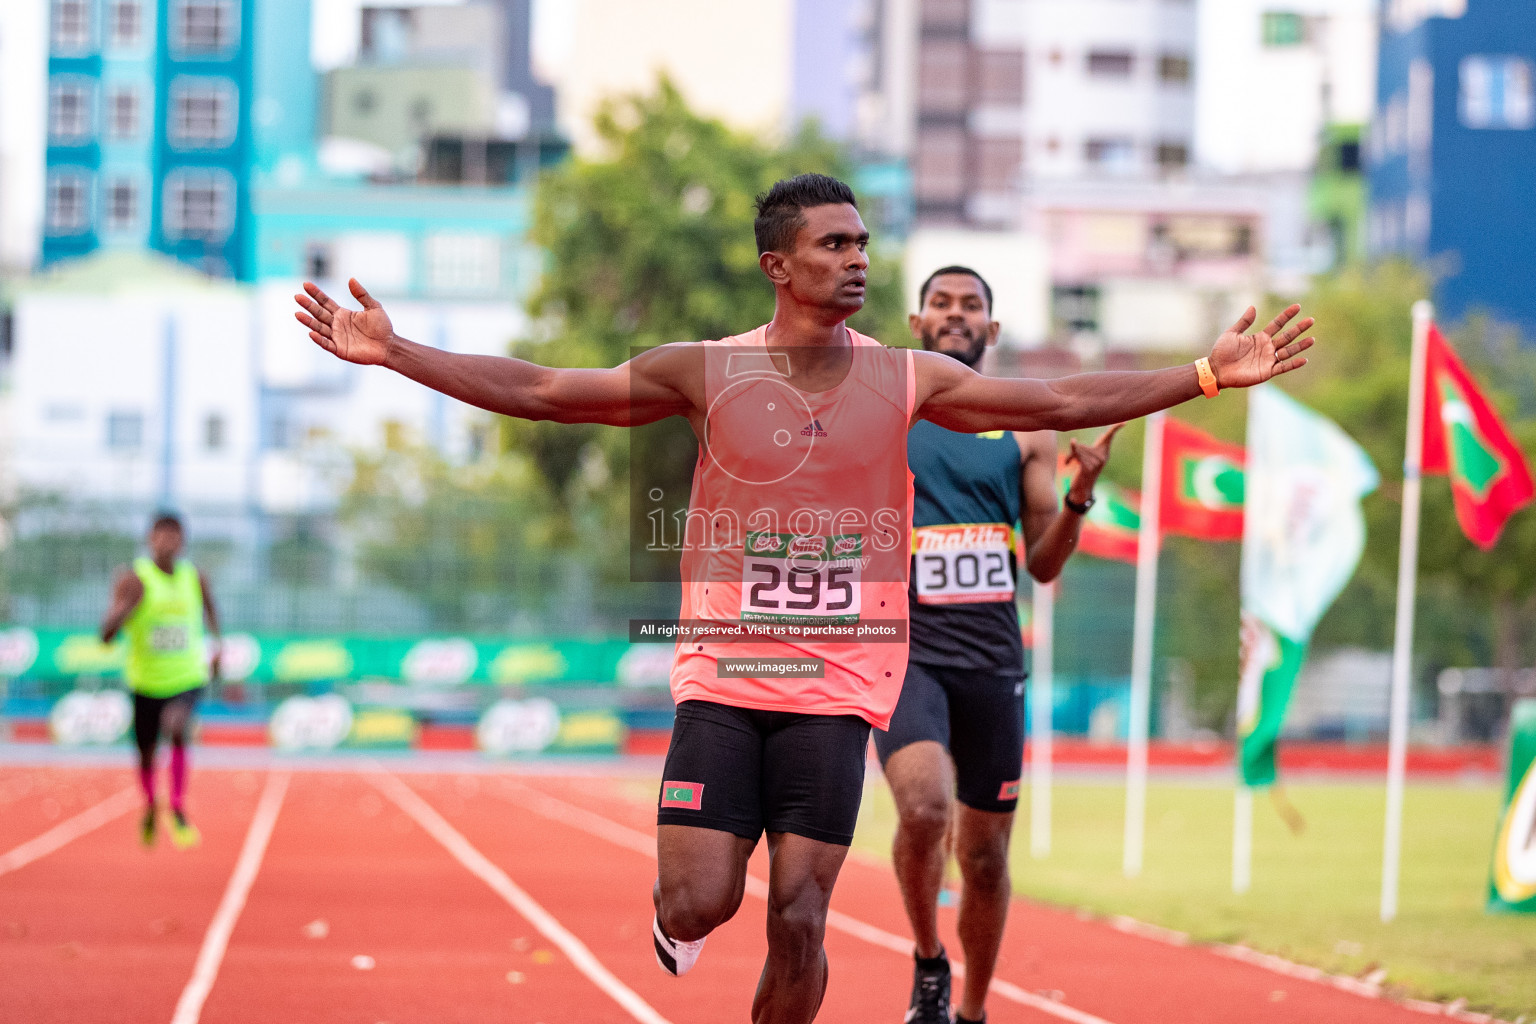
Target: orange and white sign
<point>967,563</point>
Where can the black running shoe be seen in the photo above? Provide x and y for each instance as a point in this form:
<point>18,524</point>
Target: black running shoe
<point>930,991</point>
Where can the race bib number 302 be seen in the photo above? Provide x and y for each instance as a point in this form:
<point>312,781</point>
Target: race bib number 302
<point>963,564</point>
<point>788,578</point>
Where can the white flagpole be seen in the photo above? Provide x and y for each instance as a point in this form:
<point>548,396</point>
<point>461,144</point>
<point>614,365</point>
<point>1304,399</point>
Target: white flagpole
<point>1242,840</point>
<point>1407,584</point>
<point>1042,701</point>
<point>1141,646</point>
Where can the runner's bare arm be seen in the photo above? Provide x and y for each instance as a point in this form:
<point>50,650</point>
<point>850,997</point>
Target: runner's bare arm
<point>211,614</point>
<point>1050,535</point>
<point>127,591</point>
<point>645,389</point>
<point>955,396</point>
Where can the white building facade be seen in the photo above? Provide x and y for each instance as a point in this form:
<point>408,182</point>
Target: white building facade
<point>1271,76</point>
<point>135,381</point>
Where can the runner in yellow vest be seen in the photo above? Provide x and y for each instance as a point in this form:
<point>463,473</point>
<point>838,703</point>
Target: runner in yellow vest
<point>158,604</point>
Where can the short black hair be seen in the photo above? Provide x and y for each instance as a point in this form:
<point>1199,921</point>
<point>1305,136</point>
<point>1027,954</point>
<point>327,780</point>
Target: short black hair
<point>922,293</point>
<point>166,519</point>
<point>779,216</point>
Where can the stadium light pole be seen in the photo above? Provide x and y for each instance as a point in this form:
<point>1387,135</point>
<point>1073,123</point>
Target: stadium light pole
<point>1407,585</point>
<point>1042,702</point>
<point>1141,646</point>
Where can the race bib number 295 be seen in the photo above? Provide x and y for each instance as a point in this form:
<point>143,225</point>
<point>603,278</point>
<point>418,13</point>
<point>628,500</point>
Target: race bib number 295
<point>965,564</point>
<point>788,578</point>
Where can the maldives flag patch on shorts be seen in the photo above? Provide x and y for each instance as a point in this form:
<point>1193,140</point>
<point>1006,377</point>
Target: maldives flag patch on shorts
<point>1009,791</point>
<point>688,795</point>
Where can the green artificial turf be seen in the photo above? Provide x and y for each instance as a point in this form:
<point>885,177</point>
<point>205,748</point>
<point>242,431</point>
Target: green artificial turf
<point>1315,897</point>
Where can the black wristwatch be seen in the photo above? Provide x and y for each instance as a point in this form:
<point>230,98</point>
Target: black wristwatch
<point>1082,509</point>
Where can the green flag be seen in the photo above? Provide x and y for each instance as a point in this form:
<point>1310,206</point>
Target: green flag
<point>1303,534</point>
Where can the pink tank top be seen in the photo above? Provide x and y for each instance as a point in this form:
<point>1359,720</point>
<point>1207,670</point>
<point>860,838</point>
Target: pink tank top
<point>799,521</point>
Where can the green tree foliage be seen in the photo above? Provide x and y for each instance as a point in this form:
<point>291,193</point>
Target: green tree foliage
<point>461,540</point>
<point>651,244</point>
<point>1475,608</point>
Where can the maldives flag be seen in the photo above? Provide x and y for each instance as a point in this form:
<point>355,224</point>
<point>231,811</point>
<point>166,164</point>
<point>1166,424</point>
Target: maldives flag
<point>1113,523</point>
<point>1463,439</point>
<point>1202,484</point>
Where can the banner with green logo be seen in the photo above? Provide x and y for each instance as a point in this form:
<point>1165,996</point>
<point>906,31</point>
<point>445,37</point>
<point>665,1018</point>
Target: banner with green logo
<point>1512,882</point>
<point>1303,536</point>
<point>430,661</point>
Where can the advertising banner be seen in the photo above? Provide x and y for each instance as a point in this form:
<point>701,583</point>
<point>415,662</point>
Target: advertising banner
<point>432,661</point>
<point>1512,883</point>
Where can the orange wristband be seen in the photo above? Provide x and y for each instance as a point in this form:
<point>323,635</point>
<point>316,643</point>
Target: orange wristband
<point>1207,377</point>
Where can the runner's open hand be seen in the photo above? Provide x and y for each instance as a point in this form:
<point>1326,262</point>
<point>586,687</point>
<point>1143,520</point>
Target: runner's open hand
<point>358,336</point>
<point>1090,459</point>
<point>1242,360</point>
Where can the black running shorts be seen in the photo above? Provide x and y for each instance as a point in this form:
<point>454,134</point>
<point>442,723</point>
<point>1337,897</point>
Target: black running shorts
<point>977,716</point>
<point>745,771</point>
<point>148,712</point>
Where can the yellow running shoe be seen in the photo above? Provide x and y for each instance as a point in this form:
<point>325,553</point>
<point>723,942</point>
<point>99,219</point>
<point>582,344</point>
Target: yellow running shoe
<point>184,834</point>
<point>147,827</point>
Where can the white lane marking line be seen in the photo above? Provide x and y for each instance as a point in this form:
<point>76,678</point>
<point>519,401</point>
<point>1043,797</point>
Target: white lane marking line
<point>190,1006</point>
<point>482,868</point>
<point>70,829</point>
<point>633,839</point>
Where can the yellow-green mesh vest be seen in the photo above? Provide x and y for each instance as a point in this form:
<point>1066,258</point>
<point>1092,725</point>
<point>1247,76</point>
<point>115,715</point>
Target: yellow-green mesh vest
<point>166,652</point>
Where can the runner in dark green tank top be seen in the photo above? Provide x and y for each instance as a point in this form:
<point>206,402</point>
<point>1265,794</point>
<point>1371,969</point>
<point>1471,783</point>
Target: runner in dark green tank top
<point>958,731</point>
<point>159,604</point>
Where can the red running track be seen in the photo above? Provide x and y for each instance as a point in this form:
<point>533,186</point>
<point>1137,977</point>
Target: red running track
<point>392,899</point>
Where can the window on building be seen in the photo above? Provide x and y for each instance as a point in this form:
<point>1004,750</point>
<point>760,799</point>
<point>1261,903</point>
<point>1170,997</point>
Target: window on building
<point>463,263</point>
<point>1349,157</point>
<point>126,18</point>
<point>199,204</point>
<point>1110,63</point>
<point>70,25</point>
<point>945,16</point>
<point>317,261</point>
<point>1000,76</point>
<point>125,431</point>
<point>1111,154</point>
<point>1075,308</point>
<point>205,26</point>
<point>364,101</point>
<point>1496,92</point>
<point>202,111</point>
<point>1284,28</point>
<point>214,432</point>
<point>69,110</point>
<point>123,112</point>
<point>1174,68</point>
<point>1172,156</point>
<point>68,211</point>
<point>939,170</point>
<point>122,212</point>
<point>942,77</point>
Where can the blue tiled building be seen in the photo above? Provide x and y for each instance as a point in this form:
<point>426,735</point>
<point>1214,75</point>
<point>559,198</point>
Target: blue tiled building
<point>162,114</point>
<point>1452,153</point>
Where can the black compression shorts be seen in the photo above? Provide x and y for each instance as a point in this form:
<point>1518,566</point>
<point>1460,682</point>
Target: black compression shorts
<point>745,771</point>
<point>148,712</point>
<point>977,716</point>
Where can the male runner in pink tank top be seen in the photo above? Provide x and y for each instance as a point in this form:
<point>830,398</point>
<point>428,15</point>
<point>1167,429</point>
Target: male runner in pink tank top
<point>797,534</point>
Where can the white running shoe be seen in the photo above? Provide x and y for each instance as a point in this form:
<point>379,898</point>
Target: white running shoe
<point>676,958</point>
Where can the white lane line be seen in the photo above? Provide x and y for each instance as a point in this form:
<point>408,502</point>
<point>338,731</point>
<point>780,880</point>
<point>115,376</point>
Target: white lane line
<point>633,839</point>
<point>482,868</point>
<point>70,829</point>
<point>190,1006</point>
